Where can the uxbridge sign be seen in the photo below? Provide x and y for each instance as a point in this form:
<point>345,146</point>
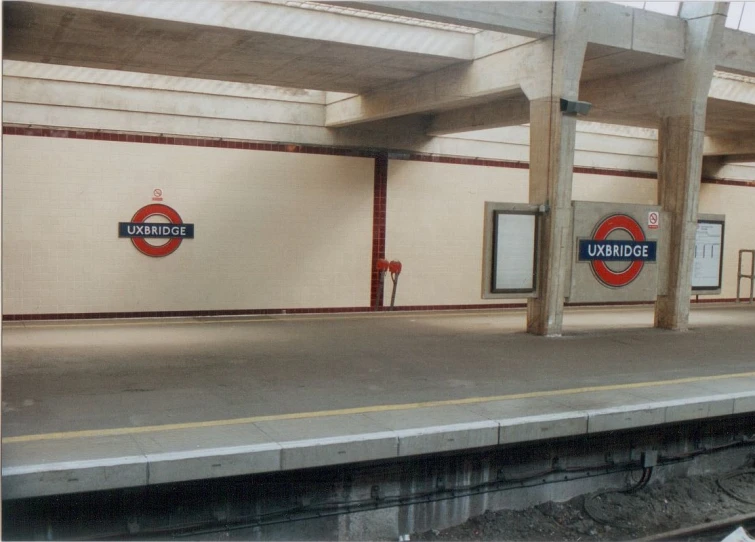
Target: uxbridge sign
<point>138,230</point>
<point>616,251</point>
<point>600,249</point>
<point>151,230</point>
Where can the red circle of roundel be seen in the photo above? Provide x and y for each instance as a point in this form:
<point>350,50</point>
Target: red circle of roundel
<point>606,275</point>
<point>141,244</point>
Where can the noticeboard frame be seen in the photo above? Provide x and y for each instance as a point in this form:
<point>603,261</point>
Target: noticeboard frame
<point>494,271</point>
<point>721,220</point>
<point>492,211</point>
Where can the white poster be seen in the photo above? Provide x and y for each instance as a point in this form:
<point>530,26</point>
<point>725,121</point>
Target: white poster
<point>706,269</point>
<point>514,252</point>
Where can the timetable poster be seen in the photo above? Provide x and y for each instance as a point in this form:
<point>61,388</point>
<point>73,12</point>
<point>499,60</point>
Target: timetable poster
<point>706,269</point>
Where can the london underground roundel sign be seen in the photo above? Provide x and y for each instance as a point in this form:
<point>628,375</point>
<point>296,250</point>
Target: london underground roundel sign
<point>601,250</point>
<point>139,230</point>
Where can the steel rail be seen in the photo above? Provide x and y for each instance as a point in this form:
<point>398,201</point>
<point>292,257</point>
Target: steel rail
<point>702,528</point>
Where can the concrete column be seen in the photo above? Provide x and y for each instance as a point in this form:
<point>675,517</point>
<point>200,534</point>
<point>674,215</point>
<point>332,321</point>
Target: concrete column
<point>552,160</point>
<point>680,154</point>
<point>680,149</point>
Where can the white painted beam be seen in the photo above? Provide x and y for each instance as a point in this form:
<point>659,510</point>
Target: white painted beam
<point>497,114</point>
<point>531,19</point>
<point>737,53</point>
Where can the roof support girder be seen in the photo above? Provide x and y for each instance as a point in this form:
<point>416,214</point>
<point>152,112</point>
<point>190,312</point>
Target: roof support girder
<point>498,114</point>
<point>499,75</point>
<point>530,19</point>
<point>736,55</point>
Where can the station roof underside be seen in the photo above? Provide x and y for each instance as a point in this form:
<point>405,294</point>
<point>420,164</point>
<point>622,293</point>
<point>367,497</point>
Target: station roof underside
<point>465,68</point>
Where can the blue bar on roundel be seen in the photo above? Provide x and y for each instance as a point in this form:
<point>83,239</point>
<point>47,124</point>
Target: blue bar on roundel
<point>616,251</point>
<point>154,230</point>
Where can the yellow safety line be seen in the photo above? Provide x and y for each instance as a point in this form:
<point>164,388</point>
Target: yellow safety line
<point>358,410</point>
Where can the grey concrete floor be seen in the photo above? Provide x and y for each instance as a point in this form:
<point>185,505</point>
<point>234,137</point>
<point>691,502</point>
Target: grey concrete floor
<point>69,376</point>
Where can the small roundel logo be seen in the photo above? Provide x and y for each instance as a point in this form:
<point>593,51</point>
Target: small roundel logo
<point>603,250</point>
<point>139,230</point>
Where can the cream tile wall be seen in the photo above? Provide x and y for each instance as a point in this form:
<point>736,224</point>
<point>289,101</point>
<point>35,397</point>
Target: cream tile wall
<point>737,203</point>
<point>272,229</point>
<point>616,189</point>
<point>435,223</point>
<point>435,215</point>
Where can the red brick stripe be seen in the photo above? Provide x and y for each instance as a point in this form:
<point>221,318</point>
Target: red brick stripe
<point>336,151</point>
<point>241,312</point>
<point>379,207</point>
<point>186,141</point>
<point>729,182</point>
<point>615,172</point>
<point>325,310</point>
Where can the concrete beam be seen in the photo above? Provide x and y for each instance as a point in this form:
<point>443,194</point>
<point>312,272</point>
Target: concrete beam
<point>245,42</point>
<point>123,79</point>
<point>168,102</point>
<point>680,152</point>
<point>510,112</point>
<point>736,55</point>
<point>281,20</point>
<point>624,39</point>
<point>743,144</point>
<point>530,19</point>
<point>637,40</point>
<point>733,88</point>
<point>712,166</point>
<point>496,76</point>
<point>630,99</point>
<point>745,158</point>
<point>634,99</point>
<point>634,29</point>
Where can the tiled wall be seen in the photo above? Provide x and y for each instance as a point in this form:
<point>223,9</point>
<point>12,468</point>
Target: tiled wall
<point>272,229</point>
<point>614,188</point>
<point>435,220</point>
<point>278,227</point>
<point>435,227</point>
<point>738,204</point>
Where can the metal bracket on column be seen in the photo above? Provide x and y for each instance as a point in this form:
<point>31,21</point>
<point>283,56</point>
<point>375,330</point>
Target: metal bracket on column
<point>574,107</point>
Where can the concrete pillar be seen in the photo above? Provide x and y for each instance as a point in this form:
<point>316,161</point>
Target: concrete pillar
<point>679,172</point>
<point>680,154</point>
<point>552,160</point>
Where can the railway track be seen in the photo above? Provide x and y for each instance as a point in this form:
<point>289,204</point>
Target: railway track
<point>707,532</point>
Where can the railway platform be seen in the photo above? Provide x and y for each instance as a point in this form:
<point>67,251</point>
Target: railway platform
<point>93,405</point>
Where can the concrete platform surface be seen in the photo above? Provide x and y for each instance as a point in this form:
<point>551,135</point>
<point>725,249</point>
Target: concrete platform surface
<point>106,404</point>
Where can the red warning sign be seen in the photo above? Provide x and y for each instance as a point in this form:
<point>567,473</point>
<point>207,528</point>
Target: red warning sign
<point>654,220</point>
